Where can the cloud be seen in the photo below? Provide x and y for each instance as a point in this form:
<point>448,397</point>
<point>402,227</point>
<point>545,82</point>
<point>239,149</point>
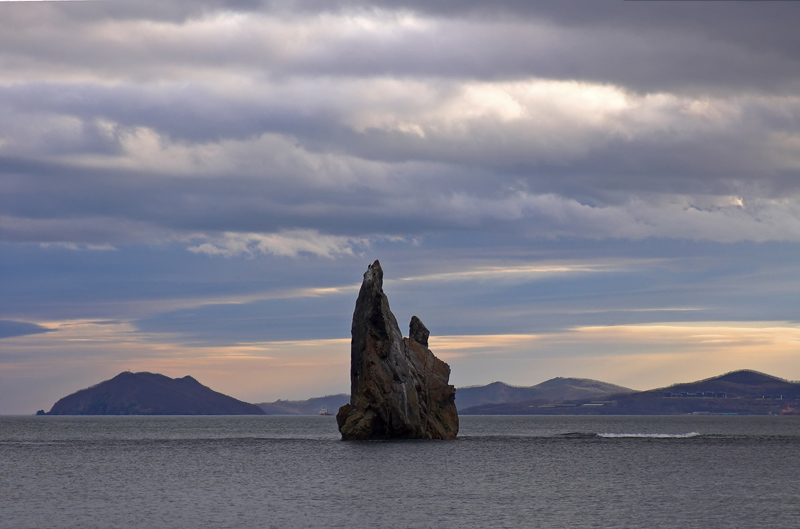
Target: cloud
<point>149,122</point>
<point>86,232</point>
<point>83,353</point>
<point>10,328</point>
<point>77,247</point>
<point>517,273</point>
<point>565,157</point>
<point>645,47</point>
<point>589,165</point>
<point>284,244</point>
<point>636,356</point>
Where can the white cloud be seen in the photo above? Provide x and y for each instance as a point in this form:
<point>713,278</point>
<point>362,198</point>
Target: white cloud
<point>713,218</point>
<point>523,273</point>
<point>289,243</point>
<point>74,246</point>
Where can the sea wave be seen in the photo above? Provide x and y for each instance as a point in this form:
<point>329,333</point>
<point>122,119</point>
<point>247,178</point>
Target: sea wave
<point>578,435</point>
<point>651,435</point>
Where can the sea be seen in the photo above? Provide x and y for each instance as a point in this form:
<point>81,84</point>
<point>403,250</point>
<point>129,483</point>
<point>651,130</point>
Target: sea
<point>503,471</point>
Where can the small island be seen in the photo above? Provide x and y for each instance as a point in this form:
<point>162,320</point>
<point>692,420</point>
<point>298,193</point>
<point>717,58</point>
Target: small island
<point>151,394</point>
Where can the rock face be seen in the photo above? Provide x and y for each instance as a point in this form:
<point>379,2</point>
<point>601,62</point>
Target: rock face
<point>398,388</point>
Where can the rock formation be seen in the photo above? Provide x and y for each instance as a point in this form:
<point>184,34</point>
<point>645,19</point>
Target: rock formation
<point>398,388</point>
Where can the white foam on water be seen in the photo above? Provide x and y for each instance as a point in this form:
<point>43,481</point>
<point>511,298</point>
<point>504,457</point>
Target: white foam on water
<point>652,435</point>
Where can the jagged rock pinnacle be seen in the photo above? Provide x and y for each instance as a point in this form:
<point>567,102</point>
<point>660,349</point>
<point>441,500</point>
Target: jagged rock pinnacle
<point>398,388</point>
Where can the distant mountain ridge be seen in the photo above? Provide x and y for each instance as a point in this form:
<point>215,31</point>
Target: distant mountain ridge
<point>313,406</point>
<point>151,394</point>
<point>742,380</point>
<point>555,389</point>
<point>743,392</point>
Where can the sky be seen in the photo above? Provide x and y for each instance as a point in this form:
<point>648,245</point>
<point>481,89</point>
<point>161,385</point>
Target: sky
<point>595,188</point>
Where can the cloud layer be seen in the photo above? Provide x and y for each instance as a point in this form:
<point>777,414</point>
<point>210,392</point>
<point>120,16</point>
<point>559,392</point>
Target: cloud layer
<point>147,122</point>
<point>196,186</point>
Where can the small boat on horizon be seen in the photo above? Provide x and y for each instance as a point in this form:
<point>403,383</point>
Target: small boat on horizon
<point>324,411</point>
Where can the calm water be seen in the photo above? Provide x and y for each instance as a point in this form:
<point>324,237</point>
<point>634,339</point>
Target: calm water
<point>283,472</point>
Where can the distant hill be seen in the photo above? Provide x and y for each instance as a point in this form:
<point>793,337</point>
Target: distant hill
<point>742,392</point>
<point>331,403</point>
<point>556,389</point>
<point>553,390</point>
<point>743,383</point>
<point>151,394</point>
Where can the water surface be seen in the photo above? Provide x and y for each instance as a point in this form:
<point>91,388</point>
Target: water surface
<point>549,472</point>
